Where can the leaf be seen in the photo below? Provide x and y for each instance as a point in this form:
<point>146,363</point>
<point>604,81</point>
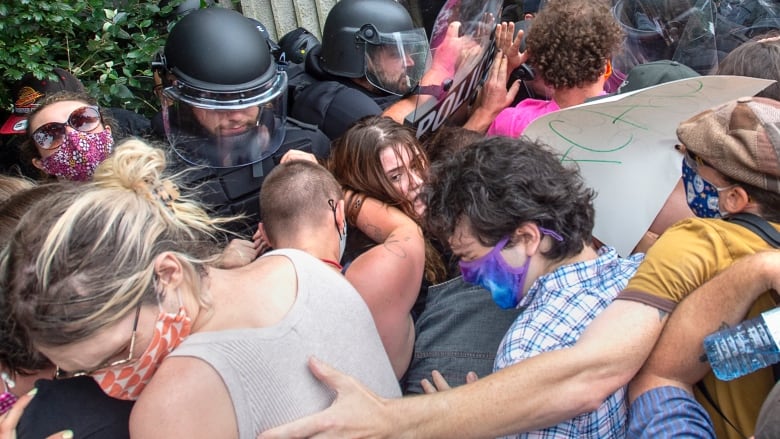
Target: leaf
<point>121,91</point>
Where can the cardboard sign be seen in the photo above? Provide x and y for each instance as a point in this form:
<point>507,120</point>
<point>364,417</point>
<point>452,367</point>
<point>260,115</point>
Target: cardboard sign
<point>624,147</point>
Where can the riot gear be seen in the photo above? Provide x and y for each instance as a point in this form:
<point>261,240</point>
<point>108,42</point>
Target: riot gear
<point>226,106</point>
<point>375,39</point>
<point>296,44</point>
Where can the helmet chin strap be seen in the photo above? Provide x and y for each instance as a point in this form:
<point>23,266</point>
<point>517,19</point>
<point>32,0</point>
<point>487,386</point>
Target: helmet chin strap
<point>437,91</point>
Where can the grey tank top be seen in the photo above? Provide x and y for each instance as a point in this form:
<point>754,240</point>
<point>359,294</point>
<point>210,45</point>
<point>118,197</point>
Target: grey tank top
<point>265,369</point>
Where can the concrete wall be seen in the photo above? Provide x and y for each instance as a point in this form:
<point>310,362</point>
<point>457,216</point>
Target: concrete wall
<point>282,16</point>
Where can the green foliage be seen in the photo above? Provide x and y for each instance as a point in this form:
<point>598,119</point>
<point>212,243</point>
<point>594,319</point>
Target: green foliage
<point>108,44</point>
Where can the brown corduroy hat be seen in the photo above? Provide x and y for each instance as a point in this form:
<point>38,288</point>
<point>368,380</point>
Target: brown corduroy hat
<point>740,139</point>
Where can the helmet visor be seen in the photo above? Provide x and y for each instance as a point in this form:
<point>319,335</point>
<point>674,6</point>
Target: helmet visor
<point>225,130</point>
<point>398,61</point>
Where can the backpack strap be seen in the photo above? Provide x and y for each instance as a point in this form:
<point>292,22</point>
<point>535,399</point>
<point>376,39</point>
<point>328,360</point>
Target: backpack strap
<point>757,225</point>
<point>765,231</point>
<point>703,389</point>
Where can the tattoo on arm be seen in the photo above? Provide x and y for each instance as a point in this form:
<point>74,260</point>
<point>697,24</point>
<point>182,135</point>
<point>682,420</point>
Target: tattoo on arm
<point>392,244</point>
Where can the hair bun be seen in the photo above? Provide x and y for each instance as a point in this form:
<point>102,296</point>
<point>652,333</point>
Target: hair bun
<point>134,165</point>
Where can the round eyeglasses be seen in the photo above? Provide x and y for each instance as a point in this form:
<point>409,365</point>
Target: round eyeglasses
<point>61,374</point>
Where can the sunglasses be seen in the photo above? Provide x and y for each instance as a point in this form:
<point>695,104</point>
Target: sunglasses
<point>61,374</point>
<point>52,134</point>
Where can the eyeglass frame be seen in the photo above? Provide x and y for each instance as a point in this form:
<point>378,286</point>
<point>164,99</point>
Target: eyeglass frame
<point>61,374</point>
<point>694,161</point>
<point>62,125</point>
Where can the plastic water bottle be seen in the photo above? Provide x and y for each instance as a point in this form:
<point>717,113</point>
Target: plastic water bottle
<point>747,347</point>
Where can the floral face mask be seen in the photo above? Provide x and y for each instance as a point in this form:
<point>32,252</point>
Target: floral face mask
<point>79,155</point>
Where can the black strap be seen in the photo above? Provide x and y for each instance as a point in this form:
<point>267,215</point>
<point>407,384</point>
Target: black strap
<point>757,225</point>
<point>765,231</point>
<point>703,389</point>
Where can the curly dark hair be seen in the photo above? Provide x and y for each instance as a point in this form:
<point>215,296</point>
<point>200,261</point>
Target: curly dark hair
<point>571,40</point>
<point>499,184</point>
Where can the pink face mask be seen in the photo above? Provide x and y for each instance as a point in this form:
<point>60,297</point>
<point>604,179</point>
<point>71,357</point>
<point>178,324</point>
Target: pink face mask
<point>127,382</point>
<point>79,155</point>
<point>7,399</point>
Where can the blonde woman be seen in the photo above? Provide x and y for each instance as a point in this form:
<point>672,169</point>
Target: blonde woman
<point>111,279</point>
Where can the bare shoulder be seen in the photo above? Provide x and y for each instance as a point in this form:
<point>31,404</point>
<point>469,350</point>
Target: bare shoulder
<point>186,398</point>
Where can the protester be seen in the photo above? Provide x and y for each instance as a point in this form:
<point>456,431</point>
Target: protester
<point>380,165</point>
<point>460,327</point>
<point>30,91</point>
<point>78,405</point>
<point>160,325</point>
<point>758,58</point>
<point>554,386</point>
<point>521,224</point>
<point>68,136</point>
<point>569,46</point>
<point>730,170</point>
<point>302,203</point>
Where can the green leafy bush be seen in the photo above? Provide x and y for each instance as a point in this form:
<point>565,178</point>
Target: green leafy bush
<point>107,44</point>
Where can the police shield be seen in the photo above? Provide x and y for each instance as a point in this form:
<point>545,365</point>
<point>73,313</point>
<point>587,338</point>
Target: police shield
<point>697,33</point>
<point>461,52</point>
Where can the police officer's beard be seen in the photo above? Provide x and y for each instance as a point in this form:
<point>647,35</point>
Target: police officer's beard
<point>401,83</point>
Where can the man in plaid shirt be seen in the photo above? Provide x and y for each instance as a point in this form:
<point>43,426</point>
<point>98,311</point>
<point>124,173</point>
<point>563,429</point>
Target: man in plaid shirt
<point>521,224</point>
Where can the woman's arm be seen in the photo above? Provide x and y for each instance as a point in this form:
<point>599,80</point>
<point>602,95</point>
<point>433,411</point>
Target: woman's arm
<point>388,276</point>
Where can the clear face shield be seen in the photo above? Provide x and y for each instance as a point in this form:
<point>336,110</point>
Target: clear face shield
<point>396,61</point>
<point>697,33</point>
<point>225,130</point>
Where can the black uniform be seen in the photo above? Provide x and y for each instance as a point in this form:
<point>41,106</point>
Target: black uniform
<point>234,191</point>
<point>330,102</point>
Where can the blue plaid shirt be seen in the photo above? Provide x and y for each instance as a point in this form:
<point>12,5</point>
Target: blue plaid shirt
<point>558,307</point>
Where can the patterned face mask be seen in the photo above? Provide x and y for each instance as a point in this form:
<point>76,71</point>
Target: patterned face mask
<point>494,274</point>
<point>127,382</point>
<point>79,155</point>
<point>702,196</point>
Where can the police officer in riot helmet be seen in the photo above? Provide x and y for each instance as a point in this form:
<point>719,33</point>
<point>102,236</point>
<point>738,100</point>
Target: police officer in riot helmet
<point>371,55</point>
<point>224,107</point>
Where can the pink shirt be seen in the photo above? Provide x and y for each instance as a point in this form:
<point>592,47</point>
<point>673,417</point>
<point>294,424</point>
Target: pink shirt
<point>511,122</point>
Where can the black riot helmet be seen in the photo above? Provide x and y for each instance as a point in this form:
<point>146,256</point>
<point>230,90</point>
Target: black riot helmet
<point>226,105</point>
<point>375,39</point>
<point>296,44</point>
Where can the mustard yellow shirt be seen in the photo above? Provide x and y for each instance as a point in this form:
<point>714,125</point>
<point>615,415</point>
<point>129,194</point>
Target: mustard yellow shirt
<point>685,257</point>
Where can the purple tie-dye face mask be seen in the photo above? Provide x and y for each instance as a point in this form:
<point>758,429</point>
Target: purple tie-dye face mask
<point>79,155</point>
<point>494,274</point>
